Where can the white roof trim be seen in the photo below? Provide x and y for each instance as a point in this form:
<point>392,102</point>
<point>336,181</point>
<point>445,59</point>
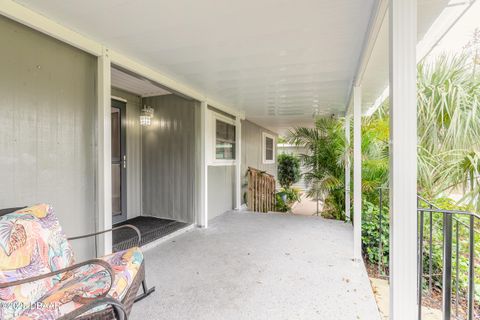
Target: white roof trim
<point>374,27</point>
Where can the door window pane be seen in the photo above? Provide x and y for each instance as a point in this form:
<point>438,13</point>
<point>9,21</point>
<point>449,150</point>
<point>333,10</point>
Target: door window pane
<point>116,189</point>
<point>116,122</point>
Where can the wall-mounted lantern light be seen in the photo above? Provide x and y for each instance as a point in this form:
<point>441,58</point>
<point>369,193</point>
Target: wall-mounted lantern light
<point>146,116</point>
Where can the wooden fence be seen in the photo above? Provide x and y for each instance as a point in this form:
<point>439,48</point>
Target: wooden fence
<point>261,191</point>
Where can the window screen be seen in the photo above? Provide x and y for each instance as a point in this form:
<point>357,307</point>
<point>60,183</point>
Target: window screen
<point>224,141</point>
<point>268,149</point>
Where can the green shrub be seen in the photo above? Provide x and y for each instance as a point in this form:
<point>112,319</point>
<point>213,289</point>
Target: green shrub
<point>288,170</point>
<point>371,234</point>
<point>285,199</point>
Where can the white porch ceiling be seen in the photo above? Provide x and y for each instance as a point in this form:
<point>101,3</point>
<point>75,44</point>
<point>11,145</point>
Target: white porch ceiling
<point>278,60</point>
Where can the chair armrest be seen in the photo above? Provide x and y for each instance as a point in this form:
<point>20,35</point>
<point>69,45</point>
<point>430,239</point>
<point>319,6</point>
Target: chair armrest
<point>117,306</point>
<point>139,236</point>
<point>99,262</point>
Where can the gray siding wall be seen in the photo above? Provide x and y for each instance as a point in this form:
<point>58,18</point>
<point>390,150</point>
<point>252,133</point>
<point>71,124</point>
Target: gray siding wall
<point>168,159</point>
<point>252,153</point>
<point>221,190</point>
<point>134,152</point>
<point>47,128</point>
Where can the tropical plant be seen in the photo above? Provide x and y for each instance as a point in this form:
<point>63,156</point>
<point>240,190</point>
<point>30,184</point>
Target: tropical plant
<point>288,171</point>
<point>324,163</point>
<point>375,234</point>
<point>448,126</point>
<point>375,153</point>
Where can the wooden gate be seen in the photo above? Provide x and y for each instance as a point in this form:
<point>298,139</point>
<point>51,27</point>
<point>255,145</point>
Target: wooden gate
<point>261,191</point>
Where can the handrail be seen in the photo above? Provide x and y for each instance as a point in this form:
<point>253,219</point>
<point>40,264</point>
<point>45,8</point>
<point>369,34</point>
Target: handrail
<point>447,211</point>
<point>450,219</point>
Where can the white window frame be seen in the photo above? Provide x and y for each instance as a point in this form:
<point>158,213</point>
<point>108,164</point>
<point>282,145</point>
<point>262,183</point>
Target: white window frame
<point>222,162</point>
<point>264,148</point>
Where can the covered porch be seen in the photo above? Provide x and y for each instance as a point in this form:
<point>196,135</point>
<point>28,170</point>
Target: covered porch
<point>246,72</point>
<point>259,266</point>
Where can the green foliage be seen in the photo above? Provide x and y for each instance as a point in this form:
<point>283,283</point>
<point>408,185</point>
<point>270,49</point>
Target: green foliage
<point>375,154</point>
<point>324,162</point>
<point>375,237</point>
<point>448,159</point>
<point>449,127</point>
<point>281,139</point>
<point>285,199</point>
<point>288,169</point>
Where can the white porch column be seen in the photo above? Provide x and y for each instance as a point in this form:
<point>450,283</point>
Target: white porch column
<point>238,163</point>
<point>104,156</point>
<point>403,160</point>
<point>357,173</point>
<point>347,168</point>
<point>202,218</point>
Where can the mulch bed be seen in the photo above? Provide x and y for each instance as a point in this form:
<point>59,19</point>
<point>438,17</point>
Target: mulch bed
<point>430,299</point>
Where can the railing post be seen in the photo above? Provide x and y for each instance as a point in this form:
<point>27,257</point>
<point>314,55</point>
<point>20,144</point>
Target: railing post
<point>380,244</point>
<point>447,266</point>
<point>457,262</point>
<point>420,264</point>
<point>471,268</point>
<point>430,254</point>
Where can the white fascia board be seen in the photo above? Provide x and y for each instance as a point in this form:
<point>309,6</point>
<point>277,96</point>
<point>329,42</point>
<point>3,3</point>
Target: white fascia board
<point>375,24</point>
<point>34,20</point>
<point>376,21</point>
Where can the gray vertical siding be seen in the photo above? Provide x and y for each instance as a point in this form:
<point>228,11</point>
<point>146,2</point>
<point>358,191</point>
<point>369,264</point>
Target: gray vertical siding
<point>168,159</point>
<point>221,190</point>
<point>134,152</point>
<point>252,153</point>
<point>47,128</point>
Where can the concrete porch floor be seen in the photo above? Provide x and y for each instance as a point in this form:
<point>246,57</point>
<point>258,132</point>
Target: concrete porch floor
<point>258,266</point>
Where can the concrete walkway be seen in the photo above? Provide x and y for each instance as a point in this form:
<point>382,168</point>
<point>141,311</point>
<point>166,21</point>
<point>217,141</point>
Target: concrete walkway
<point>258,266</point>
<point>306,206</point>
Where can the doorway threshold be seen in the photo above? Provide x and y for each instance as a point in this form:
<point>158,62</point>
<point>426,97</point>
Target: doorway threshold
<point>151,230</point>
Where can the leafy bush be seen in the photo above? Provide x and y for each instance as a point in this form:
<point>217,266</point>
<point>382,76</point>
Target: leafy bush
<point>371,234</point>
<point>288,170</point>
<point>371,243</point>
<point>285,199</point>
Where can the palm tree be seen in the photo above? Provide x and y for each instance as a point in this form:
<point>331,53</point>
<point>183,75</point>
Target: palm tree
<point>324,163</point>
<point>449,127</point>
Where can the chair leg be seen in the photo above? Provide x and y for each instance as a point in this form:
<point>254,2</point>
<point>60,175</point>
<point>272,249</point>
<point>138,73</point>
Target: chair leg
<point>146,291</point>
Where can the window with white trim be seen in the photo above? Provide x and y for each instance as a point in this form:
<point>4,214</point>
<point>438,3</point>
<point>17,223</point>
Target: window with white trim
<point>268,146</point>
<point>225,135</point>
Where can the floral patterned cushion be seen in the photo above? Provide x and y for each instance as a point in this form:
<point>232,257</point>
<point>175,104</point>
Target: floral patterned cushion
<point>88,282</point>
<point>32,243</point>
<point>125,264</point>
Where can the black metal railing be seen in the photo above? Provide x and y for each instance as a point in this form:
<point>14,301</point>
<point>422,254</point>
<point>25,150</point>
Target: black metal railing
<point>433,220</point>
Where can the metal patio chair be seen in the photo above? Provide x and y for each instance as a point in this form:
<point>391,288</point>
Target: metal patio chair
<point>36,257</point>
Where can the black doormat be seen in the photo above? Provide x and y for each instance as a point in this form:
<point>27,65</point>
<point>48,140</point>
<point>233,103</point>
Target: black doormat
<point>151,229</point>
